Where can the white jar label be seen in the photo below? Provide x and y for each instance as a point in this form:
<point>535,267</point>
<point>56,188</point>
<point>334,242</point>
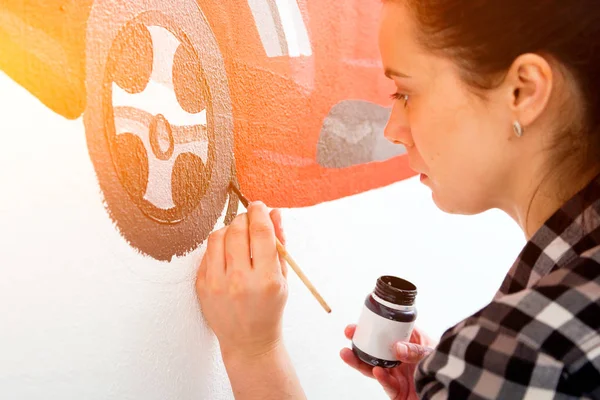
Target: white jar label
<point>376,335</point>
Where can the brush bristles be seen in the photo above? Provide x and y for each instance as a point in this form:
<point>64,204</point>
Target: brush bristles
<point>239,194</point>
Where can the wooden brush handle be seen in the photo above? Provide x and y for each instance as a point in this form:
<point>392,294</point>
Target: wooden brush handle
<point>283,252</point>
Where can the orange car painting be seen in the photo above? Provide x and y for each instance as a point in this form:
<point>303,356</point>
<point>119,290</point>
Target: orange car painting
<point>180,97</point>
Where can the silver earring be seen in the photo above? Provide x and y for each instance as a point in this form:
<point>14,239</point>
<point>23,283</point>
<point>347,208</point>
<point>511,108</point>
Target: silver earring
<point>518,128</point>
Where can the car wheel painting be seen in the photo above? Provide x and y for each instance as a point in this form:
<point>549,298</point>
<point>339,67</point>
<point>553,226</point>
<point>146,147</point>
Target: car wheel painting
<point>159,123</point>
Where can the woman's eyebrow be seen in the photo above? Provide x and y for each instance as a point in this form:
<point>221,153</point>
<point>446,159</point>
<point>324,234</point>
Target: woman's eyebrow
<point>390,73</point>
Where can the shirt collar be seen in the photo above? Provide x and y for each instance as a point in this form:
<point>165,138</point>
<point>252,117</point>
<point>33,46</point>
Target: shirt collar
<point>570,231</point>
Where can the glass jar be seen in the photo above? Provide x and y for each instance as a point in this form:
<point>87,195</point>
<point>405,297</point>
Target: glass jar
<point>388,317</point>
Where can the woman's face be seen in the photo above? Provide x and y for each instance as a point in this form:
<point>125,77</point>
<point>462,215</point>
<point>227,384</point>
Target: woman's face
<point>458,142</point>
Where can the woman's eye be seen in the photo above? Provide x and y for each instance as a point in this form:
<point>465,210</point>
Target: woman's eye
<point>400,96</point>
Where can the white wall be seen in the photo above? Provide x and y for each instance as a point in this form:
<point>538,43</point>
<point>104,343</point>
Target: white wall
<point>84,316</point>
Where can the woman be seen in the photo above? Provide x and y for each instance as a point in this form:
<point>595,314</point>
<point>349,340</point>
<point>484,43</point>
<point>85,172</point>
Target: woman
<point>498,105</point>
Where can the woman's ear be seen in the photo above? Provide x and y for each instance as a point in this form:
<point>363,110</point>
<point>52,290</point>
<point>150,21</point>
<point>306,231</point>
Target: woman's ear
<point>530,81</point>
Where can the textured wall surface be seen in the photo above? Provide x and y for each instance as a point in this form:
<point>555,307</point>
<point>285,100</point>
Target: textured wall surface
<point>122,124</point>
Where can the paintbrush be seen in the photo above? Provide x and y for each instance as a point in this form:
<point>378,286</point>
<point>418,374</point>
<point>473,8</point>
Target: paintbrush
<point>286,256</point>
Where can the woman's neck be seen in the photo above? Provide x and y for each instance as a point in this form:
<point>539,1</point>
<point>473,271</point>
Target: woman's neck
<point>539,199</point>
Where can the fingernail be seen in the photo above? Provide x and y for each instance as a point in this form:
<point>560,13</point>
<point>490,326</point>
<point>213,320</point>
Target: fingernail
<point>402,350</point>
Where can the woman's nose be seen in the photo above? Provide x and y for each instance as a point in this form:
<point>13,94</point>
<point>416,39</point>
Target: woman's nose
<point>397,129</point>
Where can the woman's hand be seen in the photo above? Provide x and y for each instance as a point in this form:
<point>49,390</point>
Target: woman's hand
<point>241,283</point>
<point>242,290</point>
<point>398,382</point>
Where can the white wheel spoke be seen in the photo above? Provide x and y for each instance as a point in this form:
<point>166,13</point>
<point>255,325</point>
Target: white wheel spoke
<point>134,112</point>
<point>158,192</point>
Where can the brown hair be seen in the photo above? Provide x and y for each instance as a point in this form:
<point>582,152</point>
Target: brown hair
<point>484,37</point>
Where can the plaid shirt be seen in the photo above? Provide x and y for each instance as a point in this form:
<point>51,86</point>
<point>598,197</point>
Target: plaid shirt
<point>540,336</point>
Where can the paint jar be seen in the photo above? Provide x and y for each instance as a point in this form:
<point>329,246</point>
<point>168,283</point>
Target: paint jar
<point>388,317</point>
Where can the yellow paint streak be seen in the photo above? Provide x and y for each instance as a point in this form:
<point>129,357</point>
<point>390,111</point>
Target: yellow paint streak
<point>38,61</point>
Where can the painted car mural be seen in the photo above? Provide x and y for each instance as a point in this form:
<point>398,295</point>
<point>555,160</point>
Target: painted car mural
<point>284,97</point>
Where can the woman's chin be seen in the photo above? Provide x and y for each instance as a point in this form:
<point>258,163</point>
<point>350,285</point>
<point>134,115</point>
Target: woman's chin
<point>440,201</point>
<point>453,207</point>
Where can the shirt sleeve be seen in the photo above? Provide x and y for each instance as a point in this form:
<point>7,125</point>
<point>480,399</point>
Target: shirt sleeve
<point>541,342</point>
<point>479,363</point>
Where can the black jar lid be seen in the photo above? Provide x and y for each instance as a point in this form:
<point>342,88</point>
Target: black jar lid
<point>396,290</point>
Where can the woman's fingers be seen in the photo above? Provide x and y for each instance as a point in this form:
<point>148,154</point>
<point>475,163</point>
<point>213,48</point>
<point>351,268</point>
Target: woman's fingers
<point>278,224</point>
<point>349,331</point>
<point>237,244</point>
<point>349,358</point>
<point>411,353</point>
<point>262,238</point>
<point>390,384</point>
<point>214,257</point>
<point>201,274</point>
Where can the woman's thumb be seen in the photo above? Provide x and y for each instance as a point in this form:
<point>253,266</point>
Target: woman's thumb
<point>411,353</point>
